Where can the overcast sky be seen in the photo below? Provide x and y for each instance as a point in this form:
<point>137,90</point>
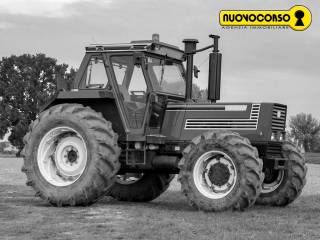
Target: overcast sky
<point>258,65</point>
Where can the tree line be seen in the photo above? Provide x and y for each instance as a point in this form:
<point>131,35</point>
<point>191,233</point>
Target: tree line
<point>28,81</point>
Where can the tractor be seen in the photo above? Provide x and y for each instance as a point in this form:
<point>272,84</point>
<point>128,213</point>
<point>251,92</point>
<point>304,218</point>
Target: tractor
<point>129,124</point>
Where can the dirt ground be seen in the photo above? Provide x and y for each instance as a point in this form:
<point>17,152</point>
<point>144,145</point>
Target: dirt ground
<point>23,216</point>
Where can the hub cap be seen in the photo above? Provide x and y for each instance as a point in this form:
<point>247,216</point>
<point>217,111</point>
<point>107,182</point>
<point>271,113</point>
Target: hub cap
<point>272,180</point>
<point>214,174</point>
<point>62,156</point>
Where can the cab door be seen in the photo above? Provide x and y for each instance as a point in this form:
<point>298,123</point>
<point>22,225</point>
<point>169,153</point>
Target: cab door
<point>133,88</point>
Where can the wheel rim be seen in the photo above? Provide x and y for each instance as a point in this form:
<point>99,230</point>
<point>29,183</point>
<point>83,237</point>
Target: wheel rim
<point>214,174</point>
<point>128,178</point>
<point>62,156</point>
<point>273,180</point>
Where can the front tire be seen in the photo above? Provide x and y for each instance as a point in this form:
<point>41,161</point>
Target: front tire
<point>220,171</point>
<point>283,186</point>
<point>70,155</point>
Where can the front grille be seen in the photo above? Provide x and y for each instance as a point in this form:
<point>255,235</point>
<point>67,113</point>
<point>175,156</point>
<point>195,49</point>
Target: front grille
<point>232,124</point>
<point>279,115</point>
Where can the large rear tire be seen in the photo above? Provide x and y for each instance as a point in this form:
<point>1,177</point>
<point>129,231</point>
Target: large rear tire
<point>70,155</point>
<point>283,186</point>
<point>220,171</point>
<point>142,187</point>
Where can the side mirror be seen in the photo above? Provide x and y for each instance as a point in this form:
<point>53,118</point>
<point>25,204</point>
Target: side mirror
<point>195,71</point>
<point>214,76</point>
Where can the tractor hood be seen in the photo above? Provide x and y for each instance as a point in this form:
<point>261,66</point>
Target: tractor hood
<point>188,120</point>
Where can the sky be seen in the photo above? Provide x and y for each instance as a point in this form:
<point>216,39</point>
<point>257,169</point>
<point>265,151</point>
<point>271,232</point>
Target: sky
<point>258,65</point>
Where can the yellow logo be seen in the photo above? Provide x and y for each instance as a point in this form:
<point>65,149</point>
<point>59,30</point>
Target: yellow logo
<point>298,18</point>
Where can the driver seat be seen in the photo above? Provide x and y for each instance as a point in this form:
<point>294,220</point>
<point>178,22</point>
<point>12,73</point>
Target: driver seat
<point>135,110</point>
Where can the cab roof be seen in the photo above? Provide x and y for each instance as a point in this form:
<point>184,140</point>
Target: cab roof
<point>150,46</point>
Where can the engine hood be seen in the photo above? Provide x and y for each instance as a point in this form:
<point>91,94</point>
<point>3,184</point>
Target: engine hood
<point>187,120</point>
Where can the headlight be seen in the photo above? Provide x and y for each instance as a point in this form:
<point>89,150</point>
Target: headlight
<point>278,136</point>
<point>282,136</point>
<point>273,136</point>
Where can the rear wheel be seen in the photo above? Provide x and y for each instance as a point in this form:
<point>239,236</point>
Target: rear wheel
<point>70,155</point>
<point>220,171</point>
<point>283,186</point>
<point>140,187</point>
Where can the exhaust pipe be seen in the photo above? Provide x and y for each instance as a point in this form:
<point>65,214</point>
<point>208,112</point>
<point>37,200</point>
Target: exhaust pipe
<point>214,81</point>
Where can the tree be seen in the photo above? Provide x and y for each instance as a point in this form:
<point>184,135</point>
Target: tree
<point>305,128</point>
<point>316,143</point>
<point>200,94</point>
<point>27,82</point>
<point>196,91</point>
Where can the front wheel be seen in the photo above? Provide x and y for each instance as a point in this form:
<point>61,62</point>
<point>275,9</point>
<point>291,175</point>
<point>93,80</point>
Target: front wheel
<point>283,186</point>
<point>220,171</point>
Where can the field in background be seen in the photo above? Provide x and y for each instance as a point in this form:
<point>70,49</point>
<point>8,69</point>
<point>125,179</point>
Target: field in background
<point>313,158</point>
<point>24,216</point>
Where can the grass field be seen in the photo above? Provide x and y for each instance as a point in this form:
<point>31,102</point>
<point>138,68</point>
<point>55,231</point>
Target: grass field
<point>23,216</point>
<point>313,158</point>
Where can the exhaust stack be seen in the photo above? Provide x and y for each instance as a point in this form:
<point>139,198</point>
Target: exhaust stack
<point>214,81</point>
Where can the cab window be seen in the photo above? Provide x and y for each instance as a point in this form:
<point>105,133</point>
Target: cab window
<point>167,76</point>
<point>95,75</point>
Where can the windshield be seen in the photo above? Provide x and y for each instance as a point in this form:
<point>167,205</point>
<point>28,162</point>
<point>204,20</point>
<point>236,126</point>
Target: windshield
<point>166,76</point>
